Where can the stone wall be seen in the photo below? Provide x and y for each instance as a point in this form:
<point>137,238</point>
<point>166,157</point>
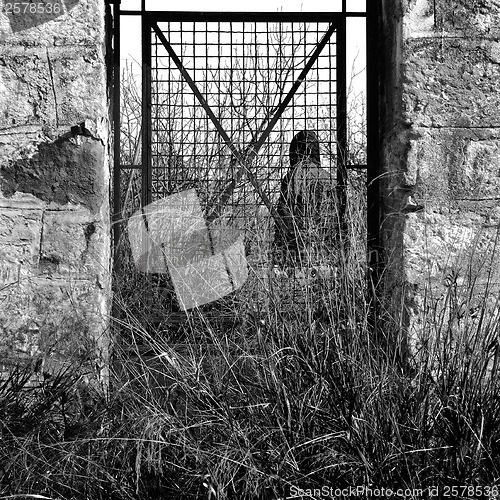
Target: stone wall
<point>441,149</point>
<point>54,182</point>
<point>441,160</point>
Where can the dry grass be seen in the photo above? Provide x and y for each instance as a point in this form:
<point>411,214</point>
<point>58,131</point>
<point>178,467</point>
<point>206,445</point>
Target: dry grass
<point>277,397</point>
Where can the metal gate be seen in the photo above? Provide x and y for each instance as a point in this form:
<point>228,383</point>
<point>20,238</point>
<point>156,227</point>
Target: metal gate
<point>223,96</point>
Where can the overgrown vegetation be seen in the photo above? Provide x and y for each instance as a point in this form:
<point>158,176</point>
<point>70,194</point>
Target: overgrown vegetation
<point>280,398</point>
<point>279,387</point>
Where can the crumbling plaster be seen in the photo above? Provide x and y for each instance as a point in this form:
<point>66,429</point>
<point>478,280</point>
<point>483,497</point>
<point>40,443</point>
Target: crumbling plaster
<point>441,148</point>
<point>54,183</point>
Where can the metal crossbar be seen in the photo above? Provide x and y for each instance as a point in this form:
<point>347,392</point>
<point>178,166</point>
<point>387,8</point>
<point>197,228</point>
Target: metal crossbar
<point>223,95</point>
<point>242,159</point>
<point>252,150</point>
<point>251,72</point>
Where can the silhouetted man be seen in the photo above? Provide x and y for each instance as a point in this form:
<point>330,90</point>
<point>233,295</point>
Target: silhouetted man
<point>304,190</point>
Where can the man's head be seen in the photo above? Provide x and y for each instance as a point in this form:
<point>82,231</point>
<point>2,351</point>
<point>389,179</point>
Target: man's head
<point>304,147</point>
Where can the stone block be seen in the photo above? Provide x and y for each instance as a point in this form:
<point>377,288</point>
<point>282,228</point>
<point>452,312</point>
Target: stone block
<point>453,168</point>
<point>26,96</point>
<point>19,227</point>
<point>51,86</point>
<point>451,17</point>
<point>79,83</point>
<point>482,169</point>
<point>71,245</point>
<point>419,18</point>
<point>434,243</point>
<point>452,270</point>
<point>16,263</point>
<point>462,243</point>
<point>68,22</point>
<point>68,170</point>
<point>468,17</point>
<point>44,317</point>
<point>451,82</point>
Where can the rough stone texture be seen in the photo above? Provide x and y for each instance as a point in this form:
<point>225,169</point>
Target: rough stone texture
<point>54,183</point>
<point>441,148</point>
<point>451,83</point>
<point>63,171</point>
<point>455,168</point>
<point>49,84</point>
<point>468,18</point>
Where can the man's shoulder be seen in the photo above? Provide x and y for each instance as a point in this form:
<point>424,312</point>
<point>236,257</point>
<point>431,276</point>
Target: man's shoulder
<point>312,172</point>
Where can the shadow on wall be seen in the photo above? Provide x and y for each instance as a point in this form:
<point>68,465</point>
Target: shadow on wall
<point>23,15</point>
<point>63,171</point>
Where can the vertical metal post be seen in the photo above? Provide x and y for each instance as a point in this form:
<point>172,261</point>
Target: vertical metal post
<point>117,208</point>
<point>374,201</point>
<point>146,109</point>
<point>374,68</point>
<point>342,125</point>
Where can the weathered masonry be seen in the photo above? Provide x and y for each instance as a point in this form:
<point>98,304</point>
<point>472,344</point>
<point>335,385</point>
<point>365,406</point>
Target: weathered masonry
<point>435,197</point>
<point>441,149</point>
<point>54,181</point>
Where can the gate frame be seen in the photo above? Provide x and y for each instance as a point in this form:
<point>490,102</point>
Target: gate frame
<point>374,68</point>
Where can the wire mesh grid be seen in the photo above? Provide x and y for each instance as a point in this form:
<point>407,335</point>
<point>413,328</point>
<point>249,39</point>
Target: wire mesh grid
<point>243,70</point>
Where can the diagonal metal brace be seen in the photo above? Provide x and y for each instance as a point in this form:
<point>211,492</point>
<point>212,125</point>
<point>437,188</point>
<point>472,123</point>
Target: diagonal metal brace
<point>254,149</point>
<point>245,159</point>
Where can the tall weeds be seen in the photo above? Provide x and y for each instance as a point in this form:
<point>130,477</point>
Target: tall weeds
<point>263,397</point>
